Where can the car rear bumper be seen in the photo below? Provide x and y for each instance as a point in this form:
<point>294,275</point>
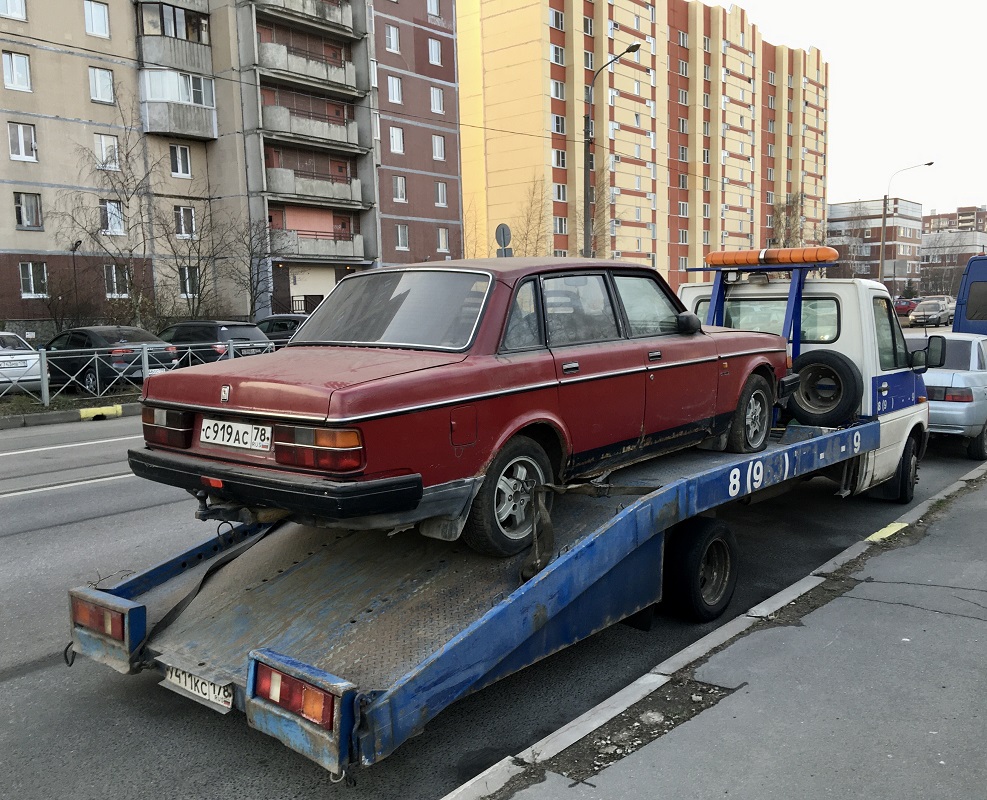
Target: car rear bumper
<point>319,498</point>
<point>956,419</point>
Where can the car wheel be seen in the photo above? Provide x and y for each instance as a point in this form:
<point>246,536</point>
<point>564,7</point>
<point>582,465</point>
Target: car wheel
<point>752,419</point>
<point>700,568</point>
<point>501,519</point>
<point>976,448</point>
<point>829,390</point>
<point>90,382</point>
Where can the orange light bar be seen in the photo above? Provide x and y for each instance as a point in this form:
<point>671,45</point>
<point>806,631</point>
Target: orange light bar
<point>781,255</point>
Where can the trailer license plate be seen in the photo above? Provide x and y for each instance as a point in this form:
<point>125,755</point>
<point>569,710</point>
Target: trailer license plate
<point>212,693</point>
<point>235,434</point>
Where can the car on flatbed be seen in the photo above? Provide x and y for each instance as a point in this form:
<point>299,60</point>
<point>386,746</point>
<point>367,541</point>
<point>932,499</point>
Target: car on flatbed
<point>441,395</point>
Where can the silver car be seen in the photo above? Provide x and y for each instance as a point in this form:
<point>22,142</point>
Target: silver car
<point>930,312</point>
<point>19,365</point>
<point>957,390</point>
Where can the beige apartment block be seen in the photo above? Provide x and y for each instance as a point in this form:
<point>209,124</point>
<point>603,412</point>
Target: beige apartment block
<point>704,138</point>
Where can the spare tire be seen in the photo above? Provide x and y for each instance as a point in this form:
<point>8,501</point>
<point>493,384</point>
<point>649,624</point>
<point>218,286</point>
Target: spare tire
<point>829,391</point>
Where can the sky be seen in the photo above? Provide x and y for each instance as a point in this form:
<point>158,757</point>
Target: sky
<point>905,87</point>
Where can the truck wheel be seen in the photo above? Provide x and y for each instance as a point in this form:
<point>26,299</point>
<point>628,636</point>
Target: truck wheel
<point>752,419</point>
<point>906,475</point>
<point>976,448</point>
<point>700,568</point>
<point>829,390</point>
<point>500,521</point>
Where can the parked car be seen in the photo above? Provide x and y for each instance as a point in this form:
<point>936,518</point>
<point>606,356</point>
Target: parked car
<point>957,390</point>
<point>201,341</point>
<point>279,328</point>
<point>20,368</point>
<point>904,306</point>
<point>947,299</point>
<point>441,395</point>
<point>930,312</point>
<point>95,358</point>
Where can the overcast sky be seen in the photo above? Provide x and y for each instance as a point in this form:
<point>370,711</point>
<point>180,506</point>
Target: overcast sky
<point>906,85</point>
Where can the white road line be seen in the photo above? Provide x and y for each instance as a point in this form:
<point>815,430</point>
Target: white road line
<point>74,444</point>
<point>65,485</point>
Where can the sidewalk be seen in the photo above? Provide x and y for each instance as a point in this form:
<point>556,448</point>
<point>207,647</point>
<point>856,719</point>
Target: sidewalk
<point>879,692</point>
<point>69,415</point>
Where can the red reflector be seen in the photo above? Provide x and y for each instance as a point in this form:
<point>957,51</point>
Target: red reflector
<point>213,483</point>
<point>296,696</point>
<point>96,618</point>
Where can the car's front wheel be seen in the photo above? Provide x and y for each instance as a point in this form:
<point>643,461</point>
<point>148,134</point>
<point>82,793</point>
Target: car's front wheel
<point>501,520</point>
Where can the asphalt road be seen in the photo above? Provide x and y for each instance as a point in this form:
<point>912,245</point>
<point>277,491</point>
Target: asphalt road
<point>70,514</point>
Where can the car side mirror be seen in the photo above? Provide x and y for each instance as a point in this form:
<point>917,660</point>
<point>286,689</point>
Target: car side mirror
<point>688,323</point>
<point>936,349</point>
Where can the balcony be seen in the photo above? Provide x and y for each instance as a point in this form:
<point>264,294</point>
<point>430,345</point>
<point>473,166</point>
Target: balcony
<point>323,245</point>
<point>331,12</point>
<point>279,119</point>
<point>179,54</point>
<point>298,62</point>
<point>311,184</point>
<point>179,119</point>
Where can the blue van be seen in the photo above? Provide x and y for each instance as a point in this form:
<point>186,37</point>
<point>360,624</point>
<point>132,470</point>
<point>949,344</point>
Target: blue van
<point>971,302</point>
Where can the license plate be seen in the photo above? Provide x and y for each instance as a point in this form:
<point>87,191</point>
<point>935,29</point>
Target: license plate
<point>211,693</point>
<point>156,371</point>
<point>13,364</point>
<point>248,351</point>
<point>235,434</point>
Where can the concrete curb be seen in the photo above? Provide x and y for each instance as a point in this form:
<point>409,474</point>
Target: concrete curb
<point>70,415</point>
<point>497,776</point>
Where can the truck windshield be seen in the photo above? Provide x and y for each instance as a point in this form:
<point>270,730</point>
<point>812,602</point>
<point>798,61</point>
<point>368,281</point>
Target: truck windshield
<point>425,308</point>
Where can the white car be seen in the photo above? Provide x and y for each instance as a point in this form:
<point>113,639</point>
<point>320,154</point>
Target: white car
<point>19,365</point>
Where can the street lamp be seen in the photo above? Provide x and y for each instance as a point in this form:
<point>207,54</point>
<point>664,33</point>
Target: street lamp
<point>884,221</point>
<point>587,142</point>
<point>75,278</point>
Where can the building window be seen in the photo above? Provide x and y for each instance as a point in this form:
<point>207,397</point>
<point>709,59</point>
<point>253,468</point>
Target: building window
<point>27,211</point>
<point>432,7</point>
<point>770,197</point>
<point>400,189</point>
<point>683,153</point>
<point>771,78</point>
<point>184,222</point>
<point>23,144</point>
<point>438,147</point>
<point>706,44</point>
<point>161,19</point>
<point>560,253</point>
<point>180,87</point>
<point>106,149</point>
<point>100,85</point>
<point>13,9</point>
<point>559,192</point>
<point>683,209</point>
<point>706,178</point>
<point>438,100</point>
<point>443,240</point>
<point>771,126</point>
<point>558,55</point>
<point>683,236</point>
<point>392,38</point>
<point>771,151</point>
<point>181,161</point>
<point>558,90</point>
<point>435,52</point>
<point>397,139</point>
<point>558,159</point>
<point>684,69</point>
<point>771,101</point>
<point>558,123</point>
<point>560,225</point>
<point>97,19</point>
<point>34,279</point>
<point>401,237</point>
<point>111,217</point>
<point>395,91</point>
<point>683,125</point>
<point>16,71</point>
<point>705,210</point>
<point>117,283</point>
<point>771,173</point>
<point>683,181</point>
<point>683,97</point>
<point>441,194</point>
<point>188,279</point>
<point>683,39</point>
<point>556,19</point>
<point>588,59</point>
<point>588,26</point>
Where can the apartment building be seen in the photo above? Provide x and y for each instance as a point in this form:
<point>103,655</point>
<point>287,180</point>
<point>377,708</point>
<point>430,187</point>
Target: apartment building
<point>704,136</point>
<point>964,218</point>
<point>199,157</point>
<point>945,254</point>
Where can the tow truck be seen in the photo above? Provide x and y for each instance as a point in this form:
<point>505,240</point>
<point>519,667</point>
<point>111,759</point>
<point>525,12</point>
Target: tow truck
<point>344,646</point>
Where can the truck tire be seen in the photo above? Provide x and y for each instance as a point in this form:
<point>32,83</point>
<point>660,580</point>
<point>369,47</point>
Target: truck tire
<point>976,448</point>
<point>829,391</point>
<point>500,521</point>
<point>906,476</point>
<point>700,569</point>
<point>752,420</point>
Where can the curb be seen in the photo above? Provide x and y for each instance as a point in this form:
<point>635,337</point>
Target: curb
<point>70,415</point>
<point>497,776</point>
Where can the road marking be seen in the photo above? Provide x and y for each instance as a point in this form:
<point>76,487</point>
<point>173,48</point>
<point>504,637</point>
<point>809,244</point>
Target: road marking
<point>66,485</point>
<point>887,531</point>
<point>74,444</point>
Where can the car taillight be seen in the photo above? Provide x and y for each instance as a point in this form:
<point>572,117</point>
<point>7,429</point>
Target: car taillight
<point>329,449</point>
<point>96,618</point>
<point>170,428</point>
<point>961,394</point>
<point>296,696</point>
<point>220,348</point>
<point>120,351</point>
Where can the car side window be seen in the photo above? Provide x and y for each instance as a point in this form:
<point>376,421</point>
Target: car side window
<point>60,342</point>
<point>523,328</point>
<point>78,341</point>
<point>649,310</point>
<point>578,310</point>
<point>890,340</point>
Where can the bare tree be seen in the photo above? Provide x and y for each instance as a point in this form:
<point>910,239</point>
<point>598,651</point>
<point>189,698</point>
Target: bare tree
<point>253,247</point>
<point>532,226</point>
<point>789,221</point>
<point>475,244</point>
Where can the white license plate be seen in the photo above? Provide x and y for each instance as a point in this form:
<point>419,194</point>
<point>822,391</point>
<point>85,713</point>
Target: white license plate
<point>156,371</point>
<point>235,434</point>
<point>13,364</point>
<point>211,693</point>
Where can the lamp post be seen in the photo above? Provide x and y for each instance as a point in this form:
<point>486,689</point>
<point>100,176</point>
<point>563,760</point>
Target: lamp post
<point>587,142</point>
<point>75,279</point>
<point>884,221</point>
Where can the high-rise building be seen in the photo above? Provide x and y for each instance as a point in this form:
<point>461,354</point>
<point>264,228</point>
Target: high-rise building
<point>705,136</point>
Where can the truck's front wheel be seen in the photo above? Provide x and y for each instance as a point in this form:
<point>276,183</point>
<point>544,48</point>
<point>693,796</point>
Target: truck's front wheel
<point>700,569</point>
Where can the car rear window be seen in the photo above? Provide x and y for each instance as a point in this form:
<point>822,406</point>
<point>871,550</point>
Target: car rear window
<point>131,335</point>
<point>10,342</point>
<point>400,308</point>
<point>249,332</point>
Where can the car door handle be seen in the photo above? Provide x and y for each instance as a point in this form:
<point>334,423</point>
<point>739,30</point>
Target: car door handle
<point>883,388</point>
<point>568,367</point>
<point>654,355</point>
